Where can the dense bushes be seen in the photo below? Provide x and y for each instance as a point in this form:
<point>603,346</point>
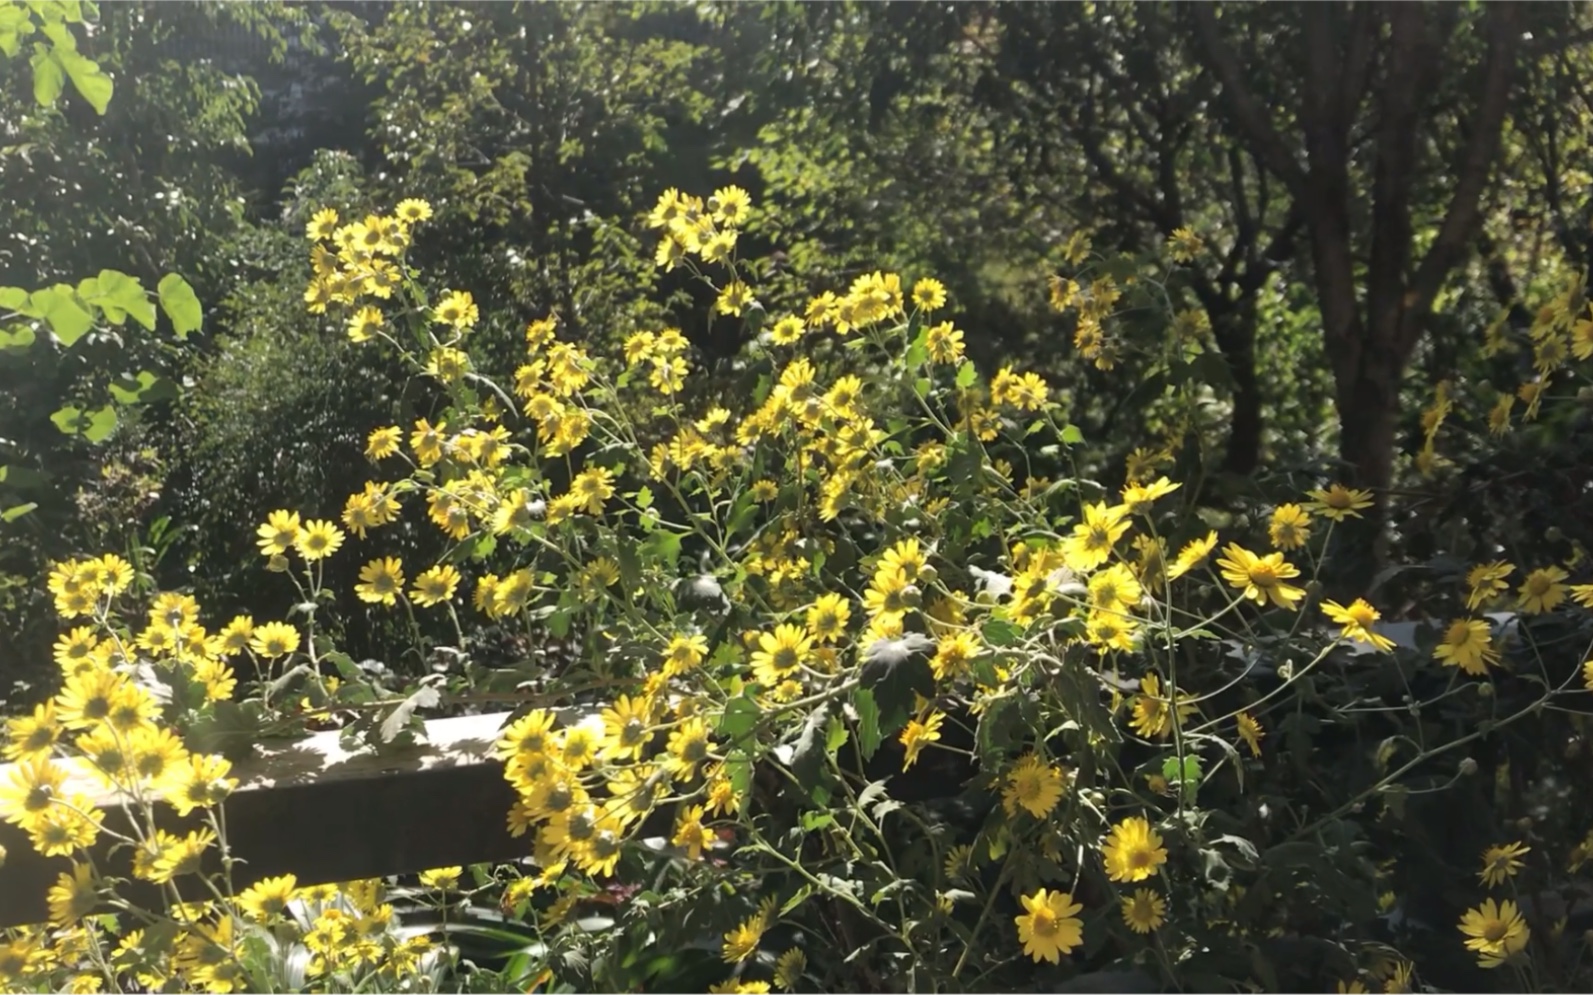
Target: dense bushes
<point>1157,747</point>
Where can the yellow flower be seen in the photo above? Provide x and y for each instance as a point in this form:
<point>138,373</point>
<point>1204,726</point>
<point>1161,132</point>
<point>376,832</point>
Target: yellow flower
<point>1467,644</point>
<point>1092,540</point>
<point>1495,932</point>
<point>1183,245</point>
<point>1192,555</point>
<point>1139,497</point>
<point>73,896</point>
<point>1260,578</point>
<point>916,734</point>
<point>742,942</point>
<point>268,898</point>
<point>788,969</point>
<point>413,209</point>
<point>1339,502</point>
<point>593,487</point>
<point>274,639</point>
<point>1542,590</point>
<point>278,533</point>
<point>730,205</point>
<point>690,833</point>
<point>365,324</point>
<point>733,299</point>
<point>1033,786</point>
<point>1153,714</point>
<point>780,654</point>
<point>826,620</point>
<point>321,225</point>
<point>441,878</point>
<point>787,330</point>
<point>1251,732</point>
<point>1144,911</point>
<point>1500,863</point>
<point>929,294</point>
<point>457,309</point>
<point>944,343</point>
<point>381,581</point>
<point>689,746</point>
<point>1050,926</point>
<point>435,585</point>
<point>1290,527</point>
<point>1485,581</point>
<point>318,539</point>
<point>1357,622</point>
<point>1132,850</point>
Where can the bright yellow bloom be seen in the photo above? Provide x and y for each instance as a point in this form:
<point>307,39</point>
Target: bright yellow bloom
<point>1543,589</point>
<point>917,734</point>
<point>1486,580</point>
<point>1050,926</point>
<point>1290,527</point>
<point>381,581</point>
<point>1500,863</point>
<point>318,539</point>
<point>274,639</point>
<point>1251,732</point>
<point>1468,644</point>
<point>1339,502</point>
<point>1144,911</point>
<point>1357,620</point>
<point>1495,931</point>
<point>1260,578</point>
<point>1034,786</point>
<point>1133,850</point>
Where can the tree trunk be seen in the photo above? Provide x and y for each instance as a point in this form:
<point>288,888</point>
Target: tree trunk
<point>1236,337</point>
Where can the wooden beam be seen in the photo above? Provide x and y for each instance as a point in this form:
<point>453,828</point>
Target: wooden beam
<point>315,810</point>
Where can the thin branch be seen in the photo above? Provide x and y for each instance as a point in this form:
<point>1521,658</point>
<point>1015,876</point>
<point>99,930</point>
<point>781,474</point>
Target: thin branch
<point>1249,114</point>
<point>1464,213</point>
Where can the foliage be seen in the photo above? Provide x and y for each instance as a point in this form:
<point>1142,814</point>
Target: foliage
<point>841,671</point>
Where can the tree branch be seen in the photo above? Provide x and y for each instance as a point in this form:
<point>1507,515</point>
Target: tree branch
<point>1464,213</point>
<point>1249,115</point>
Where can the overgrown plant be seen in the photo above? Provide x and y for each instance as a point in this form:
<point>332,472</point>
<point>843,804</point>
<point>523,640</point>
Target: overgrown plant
<point>768,615</point>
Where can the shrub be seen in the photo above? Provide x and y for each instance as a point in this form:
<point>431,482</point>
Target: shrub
<point>844,681</point>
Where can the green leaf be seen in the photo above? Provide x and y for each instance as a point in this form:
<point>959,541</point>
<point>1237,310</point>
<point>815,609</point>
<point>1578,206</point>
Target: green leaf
<point>402,716</point>
<point>15,299</point>
<point>868,734</point>
<point>49,76</point>
<point>100,424</point>
<point>91,81</point>
<point>740,718</point>
<point>807,757</point>
<point>895,678</point>
<point>999,632</point>
<point>1071,435</point>
<point>180,303</point>
<point>967,375</point>
<point>68,419</point>
<point>18,337</point>
<point>1186,775</point>
<point>644,498</point>
<point>16,511</point>
<point>663,546</point>
<point>58,305</point>
<point>119,296</point>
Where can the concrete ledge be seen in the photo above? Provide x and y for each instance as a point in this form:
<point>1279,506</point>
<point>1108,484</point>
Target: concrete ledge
<point>312,809</point>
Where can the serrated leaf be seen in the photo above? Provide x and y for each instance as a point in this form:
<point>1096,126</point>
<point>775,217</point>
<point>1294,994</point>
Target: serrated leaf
<point>807,758</point>
<point>967,375</point>
<point>180,303</point>
<point>1186,774</point>
<point>397,721</point>
<point>999,632</point>
<point>868,734</point>
<point>18,337</point>
<point>895,675</point>
<point>1071,435</point>
<point>740,718</point>
<point>644,498</point>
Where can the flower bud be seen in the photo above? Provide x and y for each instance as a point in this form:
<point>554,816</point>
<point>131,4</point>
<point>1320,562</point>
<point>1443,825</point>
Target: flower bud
<point>1468,767</point>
